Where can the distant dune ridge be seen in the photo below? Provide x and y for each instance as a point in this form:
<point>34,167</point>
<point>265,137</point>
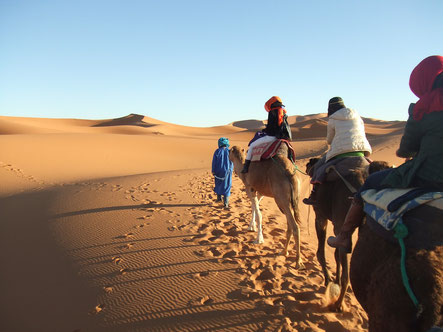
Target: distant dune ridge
<point>313,125</point>
<point>112,225</point>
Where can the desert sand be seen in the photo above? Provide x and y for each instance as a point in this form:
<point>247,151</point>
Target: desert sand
<point>112,225</point>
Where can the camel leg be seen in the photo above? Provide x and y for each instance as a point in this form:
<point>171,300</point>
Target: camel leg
<point>253,225</point>
<point>256,209</point>
<point>285,251</point>
<point>338,266</point>
<point>344,281</point>
<point>292,226</point>
<point>259,197</point>
<point>321,225</point>
<point>296,231</point>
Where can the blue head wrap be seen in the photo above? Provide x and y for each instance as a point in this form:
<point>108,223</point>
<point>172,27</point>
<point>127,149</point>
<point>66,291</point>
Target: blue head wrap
<point>223,141</point>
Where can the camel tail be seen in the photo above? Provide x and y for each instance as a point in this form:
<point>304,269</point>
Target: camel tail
<point>295,194</point>
<point>288,169</point>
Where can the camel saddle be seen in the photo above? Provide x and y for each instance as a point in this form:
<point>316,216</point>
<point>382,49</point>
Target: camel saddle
<point>344,166</point>
<point>420,210</point>
<point>270,149</point>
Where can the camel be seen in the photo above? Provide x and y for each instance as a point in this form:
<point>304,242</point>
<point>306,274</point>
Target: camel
<point>275,178</point>
<point>375,275</point>
<point>334,199</point>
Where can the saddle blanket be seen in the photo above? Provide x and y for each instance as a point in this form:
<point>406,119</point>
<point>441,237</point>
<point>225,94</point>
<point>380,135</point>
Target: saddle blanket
<point>344,166</point>
<point>387,206</point>
<point>268,150</point>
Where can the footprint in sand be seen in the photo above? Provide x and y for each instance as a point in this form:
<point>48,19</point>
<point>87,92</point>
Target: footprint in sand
<point>108,289</point>
<point>234,231</point>
<point>163,210</point>
<point>127,236</point>
<point>99,308</point>
<point>123,271</point>
<point>116,187</point>
<point>18,172</point>
<point>128,245</point>
<point>202,227</point>
<point>217,232</point>
<point>230,254</point>
<point>202,300</point>
<point>203,274</point>
<point>142,225</point>
<point>116,260</point>
<point>215,252</point>
<point>200,253</point>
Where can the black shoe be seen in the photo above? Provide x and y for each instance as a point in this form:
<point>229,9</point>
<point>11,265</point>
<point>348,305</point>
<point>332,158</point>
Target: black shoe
<point>246,166</point>
<point>342,240</point>
<point>309,201</point>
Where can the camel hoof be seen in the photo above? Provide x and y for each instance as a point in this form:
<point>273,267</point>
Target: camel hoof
<point>252,229</point>
<point>258,241</point>
<point>285,253</point>
<point>336,307</point>
<point>300,266</point>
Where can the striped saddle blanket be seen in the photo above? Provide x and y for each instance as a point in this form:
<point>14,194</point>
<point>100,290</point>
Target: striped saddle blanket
<point>419,210</point>
<point>270,149</point>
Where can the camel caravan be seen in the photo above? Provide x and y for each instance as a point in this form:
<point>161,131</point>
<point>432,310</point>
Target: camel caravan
<point>396,266</point>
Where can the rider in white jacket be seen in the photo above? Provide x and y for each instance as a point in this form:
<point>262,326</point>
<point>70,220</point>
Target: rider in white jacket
<point>347,138</point>
<point>346,133</point>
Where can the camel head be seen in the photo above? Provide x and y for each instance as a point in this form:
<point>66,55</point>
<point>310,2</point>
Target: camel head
<point>373,167</point>
<point>310,166</point>
<point>377,165</point>
<point>237,156</point>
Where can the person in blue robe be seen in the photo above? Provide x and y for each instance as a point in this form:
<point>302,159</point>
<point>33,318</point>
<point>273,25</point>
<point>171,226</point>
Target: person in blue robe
<point>222,170</point>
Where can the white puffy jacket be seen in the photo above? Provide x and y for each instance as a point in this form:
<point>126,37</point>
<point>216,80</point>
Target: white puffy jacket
<point>346,133</point>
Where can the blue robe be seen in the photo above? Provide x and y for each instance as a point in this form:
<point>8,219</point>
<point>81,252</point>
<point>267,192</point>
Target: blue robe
<point>222,170</point>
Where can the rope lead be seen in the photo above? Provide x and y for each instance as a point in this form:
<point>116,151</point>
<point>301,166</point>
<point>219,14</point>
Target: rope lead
<point>401,231</point>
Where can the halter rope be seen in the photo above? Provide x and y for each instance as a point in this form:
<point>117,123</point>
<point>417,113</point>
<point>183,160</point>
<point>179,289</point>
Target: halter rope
<point>350,186</point>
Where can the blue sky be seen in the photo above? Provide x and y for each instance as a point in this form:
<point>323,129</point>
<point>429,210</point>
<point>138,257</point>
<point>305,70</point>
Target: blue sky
<point>211,62</point>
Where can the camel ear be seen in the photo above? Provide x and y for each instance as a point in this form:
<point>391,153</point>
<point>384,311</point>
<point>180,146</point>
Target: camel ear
<point>242,150</point>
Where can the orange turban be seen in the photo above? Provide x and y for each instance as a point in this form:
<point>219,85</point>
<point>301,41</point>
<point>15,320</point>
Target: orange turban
<point>280,108</point>
<point>271,101</point>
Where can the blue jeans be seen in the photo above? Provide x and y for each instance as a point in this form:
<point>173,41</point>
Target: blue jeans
<point>374,182</point>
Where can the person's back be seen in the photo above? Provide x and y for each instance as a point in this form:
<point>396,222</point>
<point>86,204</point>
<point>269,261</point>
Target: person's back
<point>422,140</point>
<point>277,124</point>
<point>423,135</point>
<point>277,127</point>
<point>432,149</point>
<point>222,170</point>
<point>347,138</point>
<point>346,133</point>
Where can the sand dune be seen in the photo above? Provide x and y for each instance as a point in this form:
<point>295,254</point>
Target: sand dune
<point>111,225</point>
